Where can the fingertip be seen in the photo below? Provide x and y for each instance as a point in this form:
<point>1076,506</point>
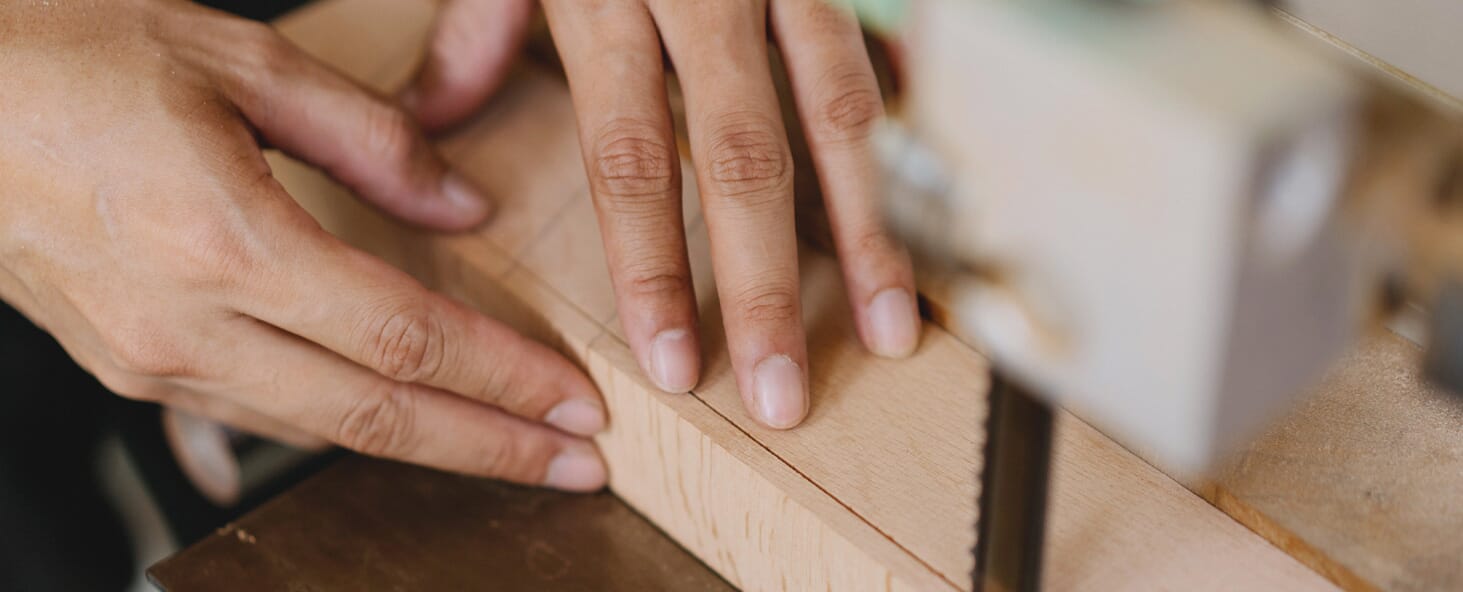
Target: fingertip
<point>427,97</point>
<point>433,108</point>
<point>892,324</point>
<point>780,393</point>
<point>674,361</point>
<point>581,417</point>
<point>582,410</point>
<point>578,467</point>
<point>472,47</point>
<point>470,205</point>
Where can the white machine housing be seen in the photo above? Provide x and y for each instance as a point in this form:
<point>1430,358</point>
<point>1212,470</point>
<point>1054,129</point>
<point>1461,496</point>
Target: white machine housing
<point>1155,190</point>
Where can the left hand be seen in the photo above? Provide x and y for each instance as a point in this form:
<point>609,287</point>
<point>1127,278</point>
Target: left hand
<point>611,51</point>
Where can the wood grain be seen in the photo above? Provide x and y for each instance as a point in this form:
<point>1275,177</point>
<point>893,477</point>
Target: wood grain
<point>1364,477</point>
<point>875,492</point>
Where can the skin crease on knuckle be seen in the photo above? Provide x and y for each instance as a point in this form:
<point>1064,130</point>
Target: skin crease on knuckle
<point>390,135</point>
<point>850,106</point>
<point>250,60</point>
<point>653,280</point>
<point>257,46</point>
<point>382,423</point>
<point>747,157</point>
<point>875,249</point>
<point>506,459</point>
<point>139,345</point>
<point>634,166</point>
<point>219,254</point>
<point>767,302</point>
<point>406,343</point>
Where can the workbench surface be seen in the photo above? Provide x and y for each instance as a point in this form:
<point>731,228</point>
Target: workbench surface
<point>365,525</point>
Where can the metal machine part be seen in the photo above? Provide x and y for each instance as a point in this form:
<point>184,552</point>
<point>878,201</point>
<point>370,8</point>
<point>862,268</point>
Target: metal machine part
<point>1011,527</point>
<point>1444,361</point>
<point>1147,198</point>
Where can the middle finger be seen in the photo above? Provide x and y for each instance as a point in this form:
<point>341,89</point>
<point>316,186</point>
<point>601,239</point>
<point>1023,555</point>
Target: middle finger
<point>612,57</point>
<point>744,170</point>
<point>305,385</point>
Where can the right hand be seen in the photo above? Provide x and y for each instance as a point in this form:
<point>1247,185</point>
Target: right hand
<point>615,54</point>
<point>140,225</point>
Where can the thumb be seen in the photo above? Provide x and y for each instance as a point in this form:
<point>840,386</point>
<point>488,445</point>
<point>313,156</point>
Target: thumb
<point>473,45</point>
<point>361,139</point>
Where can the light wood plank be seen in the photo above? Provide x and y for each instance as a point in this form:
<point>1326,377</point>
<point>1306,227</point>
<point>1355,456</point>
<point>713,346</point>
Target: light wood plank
<point>550,170</point>
<point>1364,478</point>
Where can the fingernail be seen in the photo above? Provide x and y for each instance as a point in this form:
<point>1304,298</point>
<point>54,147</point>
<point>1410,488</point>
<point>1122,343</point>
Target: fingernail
<point>577,416</point>
<point>674,361</point>
<point>778,387</point>
<point>893,322</point>
<point>469,202</point>
<point>576,468</point>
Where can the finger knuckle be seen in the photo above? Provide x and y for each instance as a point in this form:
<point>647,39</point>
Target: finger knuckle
<point>390,135</point>
<point>747,155</point>
<point>850,107</point>
<point>830,19</point>
<point>254,34</point>
<point>141,351</point>
<point>406,344</point>
<point>657,280</point>
<point>501,384</point>
<point>874,241</point>
<point>380,424</point>
<point>217,254</point>
<point>259,46</point>
<point>634,164</point>
<point>504,458</point>
<point>768,303</point>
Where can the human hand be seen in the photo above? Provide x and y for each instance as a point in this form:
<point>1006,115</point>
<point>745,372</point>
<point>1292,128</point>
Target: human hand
<point>611,51</point>
<point>140,225</point>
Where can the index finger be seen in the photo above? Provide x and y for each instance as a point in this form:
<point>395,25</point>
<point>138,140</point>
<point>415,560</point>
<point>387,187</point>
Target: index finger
<point>379,317</point>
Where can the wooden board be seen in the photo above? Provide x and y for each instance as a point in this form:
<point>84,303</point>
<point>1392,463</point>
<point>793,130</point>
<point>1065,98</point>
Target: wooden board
<point>375,525</point>
<point>1363,481</point>
<point>875,491</point>
<point>1414,41</point>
